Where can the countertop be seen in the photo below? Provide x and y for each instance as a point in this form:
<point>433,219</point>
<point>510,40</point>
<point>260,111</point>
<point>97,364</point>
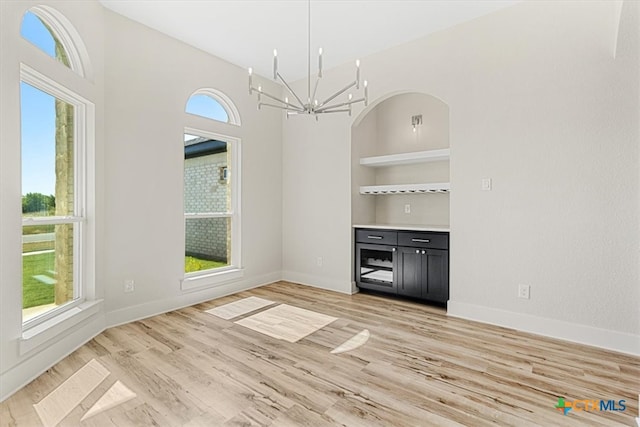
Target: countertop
<point>420,227</point>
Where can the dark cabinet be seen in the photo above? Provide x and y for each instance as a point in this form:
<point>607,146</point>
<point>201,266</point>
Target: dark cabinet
<point>435,274</point>
<point>410,278</point>
<point>417,267</point>
<point>423,273</point>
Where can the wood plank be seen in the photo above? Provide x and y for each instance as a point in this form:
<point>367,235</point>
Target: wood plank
<point>419,367</point>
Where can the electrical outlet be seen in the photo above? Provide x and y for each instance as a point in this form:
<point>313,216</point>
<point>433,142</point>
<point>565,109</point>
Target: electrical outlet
<point>486,184</point>
<point>319,261</point>
<point>407,208</point>
<point>524,291</point>
<point>129,285</point>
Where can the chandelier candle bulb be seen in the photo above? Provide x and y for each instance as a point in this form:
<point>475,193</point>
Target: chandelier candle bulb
<point>275,64</point>
<point>366,94</point>
<point>319,62</point>
<point>250,80</point>
<point>357,74</point>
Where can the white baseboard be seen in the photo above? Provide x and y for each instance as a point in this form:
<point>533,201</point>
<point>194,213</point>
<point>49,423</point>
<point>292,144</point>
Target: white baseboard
<point>32,367</point>
<point>583,334</point>
<point>341,286</point>
<point>153,308</point>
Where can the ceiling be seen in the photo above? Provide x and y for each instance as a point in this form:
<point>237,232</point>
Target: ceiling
<point>245,32</point>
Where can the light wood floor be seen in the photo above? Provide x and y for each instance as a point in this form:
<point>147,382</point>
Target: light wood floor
<point>418,368</point>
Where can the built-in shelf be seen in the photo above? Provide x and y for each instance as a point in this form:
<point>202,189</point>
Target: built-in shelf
<point>440,187</point>
<point>406,158</point>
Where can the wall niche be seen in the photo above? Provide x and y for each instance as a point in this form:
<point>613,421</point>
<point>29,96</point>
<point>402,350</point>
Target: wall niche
<point>400,176</point>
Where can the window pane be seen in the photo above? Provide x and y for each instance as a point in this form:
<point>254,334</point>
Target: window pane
<point>35,31</point>
<point>208,243</point>
<point>47,268</point>
<point>206,176</point>
<point>206,106</point>
<point>47,154</point>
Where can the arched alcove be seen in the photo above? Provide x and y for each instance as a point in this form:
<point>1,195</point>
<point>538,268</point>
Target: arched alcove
<point>400,175</point>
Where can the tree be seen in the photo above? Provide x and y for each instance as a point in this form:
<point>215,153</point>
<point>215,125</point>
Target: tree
<point>38,202</point>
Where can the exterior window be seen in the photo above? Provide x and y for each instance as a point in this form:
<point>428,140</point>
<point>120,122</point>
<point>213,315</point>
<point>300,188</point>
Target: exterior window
<point>212,191</point>
<point>205,106</point>
<point>37,32</point>
<point>208,204</point>
<point>51,204</point>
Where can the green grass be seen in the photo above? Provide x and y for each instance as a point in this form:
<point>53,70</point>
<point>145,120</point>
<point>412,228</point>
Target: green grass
<point>34,292</point>
<point>192,264</point>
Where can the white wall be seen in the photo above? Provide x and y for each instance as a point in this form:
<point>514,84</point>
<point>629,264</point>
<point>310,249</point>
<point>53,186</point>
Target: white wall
<point>149,78</point>
<point>141,84</point>
<point>86,17</point>
<point>539,104</point>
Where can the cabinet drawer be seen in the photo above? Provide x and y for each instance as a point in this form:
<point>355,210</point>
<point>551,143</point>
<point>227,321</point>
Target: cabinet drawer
<point>378,237</point>
<point>423,240</point>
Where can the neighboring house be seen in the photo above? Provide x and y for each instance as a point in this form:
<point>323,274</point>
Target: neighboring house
<point>206,189</point>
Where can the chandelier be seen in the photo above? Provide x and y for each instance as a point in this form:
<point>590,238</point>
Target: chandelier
<point>312,106</point>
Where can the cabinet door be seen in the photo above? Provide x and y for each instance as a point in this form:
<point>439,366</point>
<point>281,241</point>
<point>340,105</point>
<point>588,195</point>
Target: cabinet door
<point>410,271</point>
<point>435,267</point>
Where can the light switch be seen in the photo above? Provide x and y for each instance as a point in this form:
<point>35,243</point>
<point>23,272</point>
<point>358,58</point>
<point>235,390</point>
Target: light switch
<point>486,184</point>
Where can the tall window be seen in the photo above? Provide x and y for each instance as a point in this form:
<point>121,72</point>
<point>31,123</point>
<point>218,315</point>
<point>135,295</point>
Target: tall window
<point>211,194</point>
<point>49,216</point>
<point>53,139</point>
<point>207,203</point>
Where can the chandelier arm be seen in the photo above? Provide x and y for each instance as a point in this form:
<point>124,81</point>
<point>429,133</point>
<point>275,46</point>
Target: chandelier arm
<point>315,89</point>
<point>295,107</point>
<point>281,107</point>
<point>335,95</point>
<point>291,90</point>
<point>330,107</point>
<point>343,110</point>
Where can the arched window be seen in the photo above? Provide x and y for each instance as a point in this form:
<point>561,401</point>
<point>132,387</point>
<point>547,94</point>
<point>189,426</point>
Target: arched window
<point>57,128</point>
<point>52,33</point>
<point>213,104</point>
<point>211,193</point>
<point>37,32</point>
<point>205,106</point>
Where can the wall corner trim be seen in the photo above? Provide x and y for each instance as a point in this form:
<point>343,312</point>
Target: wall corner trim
<point>341,286</point>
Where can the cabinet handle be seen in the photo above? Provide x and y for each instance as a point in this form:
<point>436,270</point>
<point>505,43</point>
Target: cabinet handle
<point>393,249</point>
<point>423,252</point>
<point>421,240</point>
<point>417,251</point>
<point>375,237</point>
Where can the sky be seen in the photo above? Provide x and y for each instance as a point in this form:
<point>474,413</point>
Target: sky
<point>37,110</point>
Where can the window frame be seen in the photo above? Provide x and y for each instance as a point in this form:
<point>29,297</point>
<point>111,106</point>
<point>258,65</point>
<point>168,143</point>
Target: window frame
<point>221,275</point>
<point>233,115</point>
<point>84,120</point>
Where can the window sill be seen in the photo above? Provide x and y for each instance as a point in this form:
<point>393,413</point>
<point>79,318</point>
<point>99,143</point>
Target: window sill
<point>209,280</point>
<point>48,330</point>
